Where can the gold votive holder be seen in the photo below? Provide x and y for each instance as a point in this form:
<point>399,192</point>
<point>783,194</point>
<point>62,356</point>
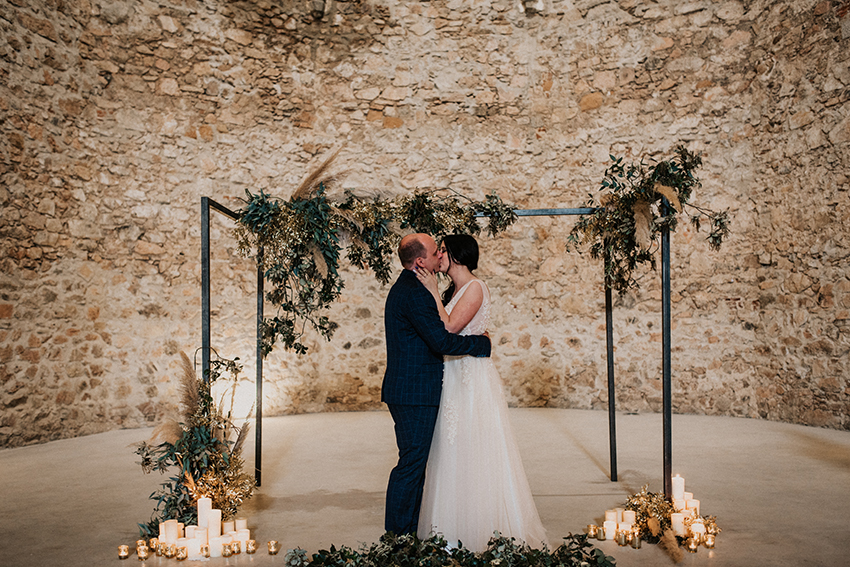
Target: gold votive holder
<point>600,533</point>
<point>709,541</point>
<point>226,550</point>
<point>205,550</point>
<point>123,551</point>
<point>170,550</point>
<point>636,539</point>
<point>236,547</point>
<point>692,545</point>
<point>630,536</point>
<point>274,547</point>
<point>620,537</point>
<point>141,542</point>
<point>591,530</point>
<point>182,553</point>
<point>153,544</point>
<point>143,552</point>
<point>251,546</point>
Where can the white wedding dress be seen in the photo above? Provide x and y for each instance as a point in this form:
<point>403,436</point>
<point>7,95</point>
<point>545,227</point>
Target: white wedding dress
<point>475,483</point>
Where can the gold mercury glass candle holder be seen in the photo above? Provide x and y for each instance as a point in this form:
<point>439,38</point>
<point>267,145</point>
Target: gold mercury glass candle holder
<point>621,538</point>
<point>226,550</point>
<point>205,550</point>
<point>141,542</point>
<point>636,539</point>
<point>591,530</point>
<point>123,551</point>
<point>274,547</point>
<point>182,553</point>
<point>160,549</point>
<point>692,545</point>
<point>236,547</point>
<point>251,546</point>
<point>709,541</point>
<point>142,551</point>
<point>170,551</point>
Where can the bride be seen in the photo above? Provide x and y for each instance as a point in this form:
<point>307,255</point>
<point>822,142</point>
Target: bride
<point>475,483</point>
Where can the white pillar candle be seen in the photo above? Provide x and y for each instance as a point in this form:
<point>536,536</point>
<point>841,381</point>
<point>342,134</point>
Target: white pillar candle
<point>692,505</point>
<point>225,538</point>
<point>171,531</point>
<point>204,507</point>
<point>241,524</point>
<point>215,546</point>
<point>610,515</point>
<point>180,529</point>
<point>629,516</point>
<point>619,514</point>
<point>189,532</point>
<point>698,528</point>
<point>228,526</point>
<point>243,535</point>
<point>678,523</point>
<point>193,547</point>
<point>610,528</point>
<point>201,535</point>
<point>214,526</point>
<point>688,496</point>
<point>679,505</point>
<point>678,488</point>
<point>162,531</point>
<point>624,527</point>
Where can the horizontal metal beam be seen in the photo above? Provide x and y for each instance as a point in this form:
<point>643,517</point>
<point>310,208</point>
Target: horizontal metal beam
<point>546,212</point>
<point>222,209</point>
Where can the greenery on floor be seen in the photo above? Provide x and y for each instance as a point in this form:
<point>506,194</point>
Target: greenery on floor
<point>410,551</point>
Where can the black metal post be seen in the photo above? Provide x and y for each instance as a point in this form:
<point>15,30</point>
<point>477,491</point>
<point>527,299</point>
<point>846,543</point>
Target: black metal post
<point>205,288</point>
<point>666,385</point>
<point>612,418</point>
<point>258,435</point>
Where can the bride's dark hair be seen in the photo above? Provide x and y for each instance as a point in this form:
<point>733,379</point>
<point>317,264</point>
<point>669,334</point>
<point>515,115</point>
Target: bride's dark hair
<point>462,249</point>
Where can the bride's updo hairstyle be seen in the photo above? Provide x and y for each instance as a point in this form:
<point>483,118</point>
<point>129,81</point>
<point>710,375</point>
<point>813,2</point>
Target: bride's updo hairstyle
<point>462,249</point>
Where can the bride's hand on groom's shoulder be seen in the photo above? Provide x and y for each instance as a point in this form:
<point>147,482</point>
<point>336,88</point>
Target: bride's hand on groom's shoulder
<point>428,279</point>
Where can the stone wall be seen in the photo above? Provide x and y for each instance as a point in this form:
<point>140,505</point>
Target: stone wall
<point>117,116</point>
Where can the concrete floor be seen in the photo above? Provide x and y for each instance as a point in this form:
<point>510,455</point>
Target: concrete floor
<point>781,492</point>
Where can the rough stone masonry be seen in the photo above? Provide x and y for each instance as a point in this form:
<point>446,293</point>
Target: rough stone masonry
<point>117,116</point>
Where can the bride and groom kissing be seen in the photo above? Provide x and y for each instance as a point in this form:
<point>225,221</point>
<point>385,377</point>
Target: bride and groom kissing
<point>459,472</point>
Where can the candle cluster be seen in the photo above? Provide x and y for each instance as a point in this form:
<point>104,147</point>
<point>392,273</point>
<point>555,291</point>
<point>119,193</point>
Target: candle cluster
<point>210,538</point>
<point>648,515</point>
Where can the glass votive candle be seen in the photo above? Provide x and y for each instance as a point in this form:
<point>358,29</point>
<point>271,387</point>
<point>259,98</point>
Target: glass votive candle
<point>205,550</point>
<point>226,550</point>
<point>160,549</point>
<point>274,547</point>
<point>621,538</point>
<point>251,546</point>
<point>170,550</point>
<point>591,530</point>
<point>236,547</point>
<point>153,543</point>
<point>142,551</point>
<point>709,541</point>
<point>182,553</point>
<point>141,542</point>
<point>692,545</point>
<point>123,551</point>
<point>630,535</point>
<point>636,539</point>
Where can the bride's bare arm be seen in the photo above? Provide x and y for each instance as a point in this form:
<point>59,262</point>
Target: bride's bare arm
<point>465,309</point>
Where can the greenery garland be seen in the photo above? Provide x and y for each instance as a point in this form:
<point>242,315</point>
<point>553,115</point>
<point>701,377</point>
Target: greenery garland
<point>209,464</point>
<point>302,242</point>
<point>410,551</point>
<point>638,201</point>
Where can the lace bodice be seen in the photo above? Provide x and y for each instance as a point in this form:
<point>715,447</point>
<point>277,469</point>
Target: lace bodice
<point>478,324</point>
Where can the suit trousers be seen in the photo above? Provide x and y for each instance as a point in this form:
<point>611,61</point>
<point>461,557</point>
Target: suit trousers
<point>414,428</point>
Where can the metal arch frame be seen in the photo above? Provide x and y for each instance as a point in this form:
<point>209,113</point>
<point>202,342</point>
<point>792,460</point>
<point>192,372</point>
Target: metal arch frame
<point>207,204</point>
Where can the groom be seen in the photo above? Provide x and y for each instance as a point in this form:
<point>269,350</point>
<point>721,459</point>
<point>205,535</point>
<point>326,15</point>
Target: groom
<point>416,343</point>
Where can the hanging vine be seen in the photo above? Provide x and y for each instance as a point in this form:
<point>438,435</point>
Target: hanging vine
<point>637,202</point>
<point>302,245</point>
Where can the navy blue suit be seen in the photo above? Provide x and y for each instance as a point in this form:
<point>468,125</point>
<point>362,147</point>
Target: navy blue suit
<point>416,342</point>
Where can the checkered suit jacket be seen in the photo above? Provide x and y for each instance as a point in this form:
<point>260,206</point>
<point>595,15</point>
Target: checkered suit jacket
<point>416,342</point>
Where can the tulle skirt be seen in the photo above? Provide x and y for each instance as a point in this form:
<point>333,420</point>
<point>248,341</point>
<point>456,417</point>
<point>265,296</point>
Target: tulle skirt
<point>475,483</point>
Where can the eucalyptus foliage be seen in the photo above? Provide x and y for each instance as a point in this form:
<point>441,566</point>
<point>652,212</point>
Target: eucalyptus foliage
<point>410,551</point>
<point>302,243</point>
<point>637,202</point>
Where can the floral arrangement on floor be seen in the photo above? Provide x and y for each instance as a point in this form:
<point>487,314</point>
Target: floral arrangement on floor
<point>410,551</point>
<point>302,241</point>
<point>636,202</point>
<point>203,450</point>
